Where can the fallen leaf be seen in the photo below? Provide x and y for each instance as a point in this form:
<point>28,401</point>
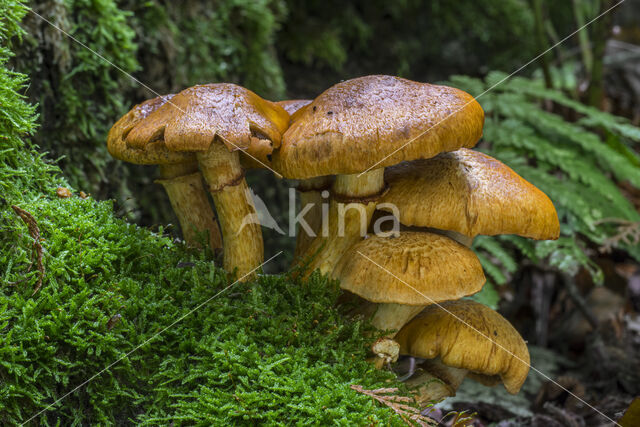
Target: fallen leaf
<point>63,192</point>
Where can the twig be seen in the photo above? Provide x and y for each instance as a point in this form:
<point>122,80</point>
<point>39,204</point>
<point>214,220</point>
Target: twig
<point>627,232</point>
<point>399,404</point>
<point>34,232</point>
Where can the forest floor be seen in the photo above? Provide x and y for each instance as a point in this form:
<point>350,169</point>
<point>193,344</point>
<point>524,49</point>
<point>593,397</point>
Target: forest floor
<point>589,346</point>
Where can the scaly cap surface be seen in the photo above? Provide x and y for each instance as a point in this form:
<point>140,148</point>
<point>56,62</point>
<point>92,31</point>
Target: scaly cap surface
<point>437,267</point>
<point>355,124</point>
<point>199,114</point>
<point>152,153</point>
<point>471,193</point>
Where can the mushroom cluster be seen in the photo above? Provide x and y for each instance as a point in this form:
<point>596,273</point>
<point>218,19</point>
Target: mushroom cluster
<point>350,133</point>
<point>206,127</point>
<point>179,173</point>
<point>407,198</point>
<point>392,195</point>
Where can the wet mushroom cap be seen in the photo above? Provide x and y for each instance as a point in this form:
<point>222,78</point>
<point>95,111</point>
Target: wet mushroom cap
<point>470,193</point>
<point>376,120</point>
<point>152,152</point>
<point>415,268</point>
<point>447,331</point>
<point>199,114</point>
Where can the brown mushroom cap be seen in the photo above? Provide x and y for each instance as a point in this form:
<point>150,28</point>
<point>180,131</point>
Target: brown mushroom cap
<point>355,124</point>
<point>199,114</point>
<point>470,193</point>
<point>438,269</point>
<point>293,105</point>
<point>151,153</point>
<point>443,332</point>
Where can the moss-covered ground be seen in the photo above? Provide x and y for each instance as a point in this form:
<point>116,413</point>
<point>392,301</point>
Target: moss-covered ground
<point>180,345</point>
<point>272,350</point>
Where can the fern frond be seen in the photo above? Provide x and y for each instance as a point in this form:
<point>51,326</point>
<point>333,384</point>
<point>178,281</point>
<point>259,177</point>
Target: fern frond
<point>493,247</point>
<point>492,270</point>
<point>577,164</point>
<point>566,255</point>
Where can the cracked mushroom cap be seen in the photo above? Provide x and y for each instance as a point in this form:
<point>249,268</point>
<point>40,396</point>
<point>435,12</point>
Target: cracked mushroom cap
<point>258,155</point>
<point>471,193</point>
<point>446,333</point>
<point>199,114</point>
<point>415,268</point>
<point>376,120</point>
<point>151,153</point>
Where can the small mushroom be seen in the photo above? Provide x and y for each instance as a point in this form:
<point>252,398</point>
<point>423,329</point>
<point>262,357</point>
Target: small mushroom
<point>178,171</point>
<point>358,127</point>
<point>465,193</point>
<point>386,350</point>
<point>459,339</point>
<point>403,274</point>
<point>63,192</point>
<point>215,122</point>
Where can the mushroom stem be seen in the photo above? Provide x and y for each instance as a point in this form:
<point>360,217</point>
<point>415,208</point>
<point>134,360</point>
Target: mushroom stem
<point>388,317</point>
<point>384,316</point>
<point>175,170</point>
<point>310,191</point>
<point>394,316</point>
<point>436,381</point>
<point>350,210</point>
<point>241,233</point>
<point>183,184</point>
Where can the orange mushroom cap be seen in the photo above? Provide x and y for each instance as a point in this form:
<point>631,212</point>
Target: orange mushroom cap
<point>376,120</point>
<point>450,331</point>
<point>153,152</point>
<point>470,193</point>
<point>197,115</point>
<point>415,268</point>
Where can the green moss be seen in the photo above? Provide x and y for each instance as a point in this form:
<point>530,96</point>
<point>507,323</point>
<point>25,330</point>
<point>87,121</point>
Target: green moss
<point>271,351</point>
<point>179,346</point>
